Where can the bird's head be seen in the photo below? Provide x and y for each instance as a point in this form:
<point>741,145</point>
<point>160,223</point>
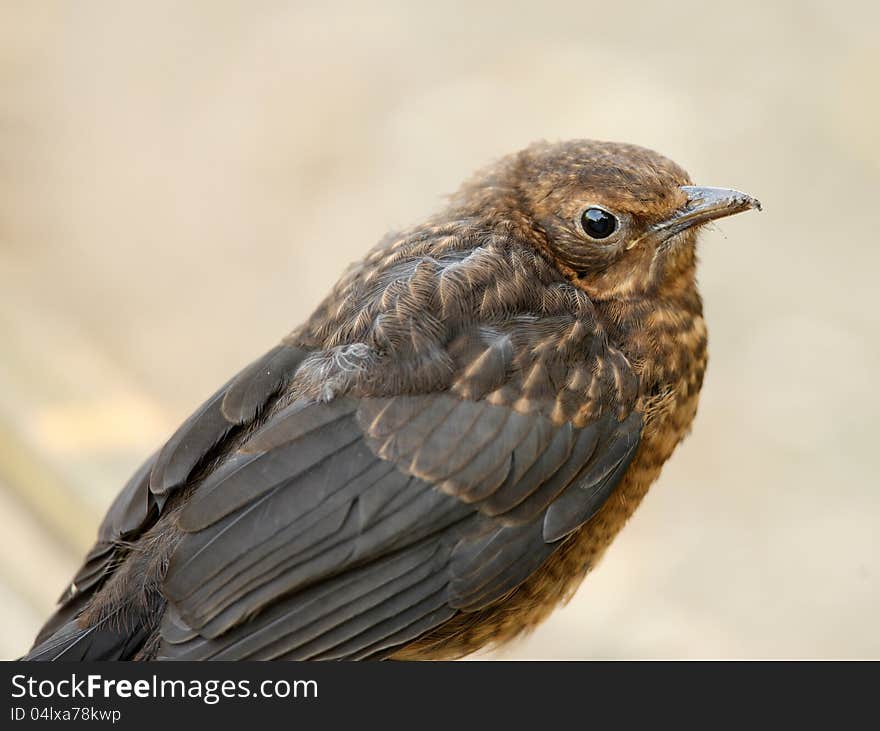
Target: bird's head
<point>618,220</point>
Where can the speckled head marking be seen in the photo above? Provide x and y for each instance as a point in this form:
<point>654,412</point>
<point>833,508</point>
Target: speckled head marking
<point>649,208</point>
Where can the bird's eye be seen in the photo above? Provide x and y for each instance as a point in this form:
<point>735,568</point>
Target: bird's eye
<point>598,223</point>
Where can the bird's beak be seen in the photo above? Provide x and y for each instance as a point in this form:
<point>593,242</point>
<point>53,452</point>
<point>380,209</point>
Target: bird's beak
<point>703,205</point>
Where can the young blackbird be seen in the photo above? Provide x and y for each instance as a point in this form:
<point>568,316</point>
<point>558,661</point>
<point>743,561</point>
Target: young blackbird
<point>436,458</point>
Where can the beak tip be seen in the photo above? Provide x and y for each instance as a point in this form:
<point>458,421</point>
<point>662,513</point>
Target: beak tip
<point>751,202</point>
<point>707,204</point>
<point>745,202</point>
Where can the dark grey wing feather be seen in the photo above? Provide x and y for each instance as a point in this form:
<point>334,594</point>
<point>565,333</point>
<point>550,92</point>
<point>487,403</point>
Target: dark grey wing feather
<point>215,419</point>
<point>413,623</point>
<point>495,565</point>
<point>347,532</point>
<point>189,445</point>
<point>553,483</point>
<point>272,460</point>
<point>140,502</point>
<point>298,620</point>
<point>249,391</point>
<point>534,462</point>
<point>589,492</point>
<point>131,508</point>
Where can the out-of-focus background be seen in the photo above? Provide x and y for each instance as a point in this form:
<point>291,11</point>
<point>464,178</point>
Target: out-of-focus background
<point>181,182</point>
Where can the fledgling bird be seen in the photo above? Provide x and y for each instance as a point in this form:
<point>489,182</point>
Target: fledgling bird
<point>437,457</point>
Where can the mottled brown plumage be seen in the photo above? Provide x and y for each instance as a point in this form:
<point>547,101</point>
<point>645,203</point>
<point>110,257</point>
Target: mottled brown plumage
<point>436,458</point>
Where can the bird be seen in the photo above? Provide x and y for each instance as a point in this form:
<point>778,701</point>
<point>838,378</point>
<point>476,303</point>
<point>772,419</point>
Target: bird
<point>436,458</point>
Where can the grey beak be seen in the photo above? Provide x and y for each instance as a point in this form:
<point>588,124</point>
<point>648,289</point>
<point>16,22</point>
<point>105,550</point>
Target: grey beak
<point>706,204</point>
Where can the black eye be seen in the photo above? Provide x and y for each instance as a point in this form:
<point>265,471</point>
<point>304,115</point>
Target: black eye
<point>598,223</point>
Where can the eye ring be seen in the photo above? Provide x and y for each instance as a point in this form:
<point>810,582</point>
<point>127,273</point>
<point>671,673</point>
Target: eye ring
<point>598,223</point>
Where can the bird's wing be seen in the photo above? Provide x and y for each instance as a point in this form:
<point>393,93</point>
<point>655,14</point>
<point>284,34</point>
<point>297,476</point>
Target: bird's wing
<point>140,502</point>
<point>344,529</point>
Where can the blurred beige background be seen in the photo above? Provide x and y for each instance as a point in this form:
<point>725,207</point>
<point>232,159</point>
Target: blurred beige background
<point>181,182</point>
